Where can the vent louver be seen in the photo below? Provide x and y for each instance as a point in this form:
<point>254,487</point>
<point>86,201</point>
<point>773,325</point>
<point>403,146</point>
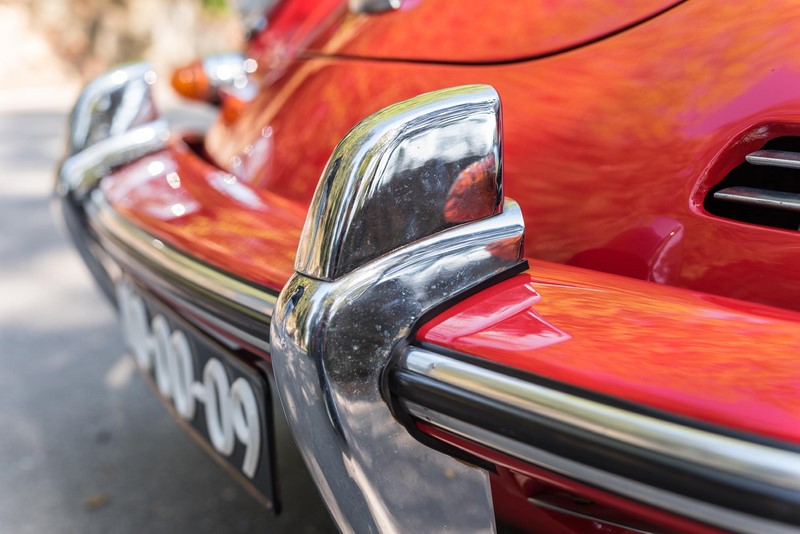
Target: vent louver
<point>763,190</point>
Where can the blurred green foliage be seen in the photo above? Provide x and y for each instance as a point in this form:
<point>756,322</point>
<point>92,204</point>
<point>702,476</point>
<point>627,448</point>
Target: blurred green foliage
<point>214,6</point>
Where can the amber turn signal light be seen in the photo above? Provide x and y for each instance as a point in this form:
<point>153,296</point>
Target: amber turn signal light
<point>192,81</point>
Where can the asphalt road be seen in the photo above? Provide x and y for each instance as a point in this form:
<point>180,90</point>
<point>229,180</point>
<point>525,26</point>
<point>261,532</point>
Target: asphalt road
<point>85,447</point>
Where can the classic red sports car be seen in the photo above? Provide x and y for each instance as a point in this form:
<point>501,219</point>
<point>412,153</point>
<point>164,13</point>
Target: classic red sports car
<point>615,349</point>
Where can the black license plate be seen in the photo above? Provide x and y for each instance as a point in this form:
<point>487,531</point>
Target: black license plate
<point>224,400</point>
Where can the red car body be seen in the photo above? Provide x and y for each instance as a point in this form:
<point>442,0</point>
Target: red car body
<point>620,121</point>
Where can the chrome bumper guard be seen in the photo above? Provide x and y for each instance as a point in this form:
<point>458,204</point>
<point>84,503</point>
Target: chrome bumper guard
<point>409,213</point>
<point>113,123</point>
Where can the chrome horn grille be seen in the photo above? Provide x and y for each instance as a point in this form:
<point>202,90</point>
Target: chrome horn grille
<point>764,190</point>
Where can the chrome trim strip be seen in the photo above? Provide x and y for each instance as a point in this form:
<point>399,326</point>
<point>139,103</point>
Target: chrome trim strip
<point>105,220</point>
<point>775,158</point>
<point>722,453</point>
<point>566,511</point>
<point>703,512</point>
<point>236,333</point>
<point>760,197</point>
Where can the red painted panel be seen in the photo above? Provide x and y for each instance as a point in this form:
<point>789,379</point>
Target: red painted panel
<point>211,214</point>
<point>480,31</point>
<point>709,358</point>
<point>608,148</point>
<point>291,27</point>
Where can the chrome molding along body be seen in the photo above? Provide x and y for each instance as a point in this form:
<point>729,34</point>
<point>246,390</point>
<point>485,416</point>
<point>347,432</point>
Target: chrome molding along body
<point>753,462</point>
<point>354,302</point>
<point>164,258</point>
<point>178,275</point>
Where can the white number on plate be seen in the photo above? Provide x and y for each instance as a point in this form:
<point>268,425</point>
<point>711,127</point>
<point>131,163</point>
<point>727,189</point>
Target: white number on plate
<point>231,409</point>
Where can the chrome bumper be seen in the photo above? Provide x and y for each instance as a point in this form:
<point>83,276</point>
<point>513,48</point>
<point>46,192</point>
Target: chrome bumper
<point>359,292</point>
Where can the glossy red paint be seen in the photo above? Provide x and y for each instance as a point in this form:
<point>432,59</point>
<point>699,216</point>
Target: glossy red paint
<point>714,360</point>
<point>608,148</point>
<point>514,482</point>
<point>483,32</point>
<point>292,26</point>
<point>183,200</point>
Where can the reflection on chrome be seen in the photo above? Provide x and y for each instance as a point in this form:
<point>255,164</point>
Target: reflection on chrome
<point>229,71</point>
<point>113,104</point>
<point>408,159</point>
<point>358,293</point>
<point>81,172</point>
<point>372,6</point>
<point>113,123</point>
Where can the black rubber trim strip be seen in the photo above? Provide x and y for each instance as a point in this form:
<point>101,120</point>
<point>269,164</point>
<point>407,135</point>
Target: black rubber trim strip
<point>655,470</point>
<point>609,400</point>
<point>352,57</point>
<point>82,238</point>
<point>178,291</point>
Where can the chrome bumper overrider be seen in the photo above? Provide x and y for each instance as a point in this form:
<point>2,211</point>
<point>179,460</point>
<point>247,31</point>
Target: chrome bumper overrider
<point>388,239</point>
<point>113,123</point>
